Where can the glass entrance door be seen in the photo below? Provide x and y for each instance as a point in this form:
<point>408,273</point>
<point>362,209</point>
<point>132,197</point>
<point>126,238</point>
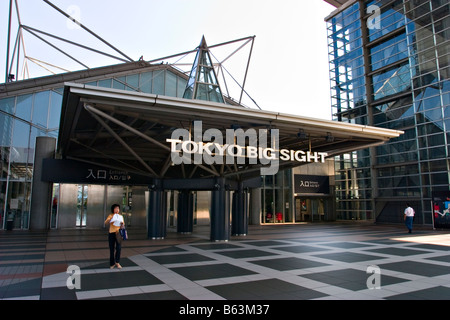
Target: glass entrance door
<point>318,209</point>
<point>82,198</point>
<point>309,209</point>
<point>302,210</point>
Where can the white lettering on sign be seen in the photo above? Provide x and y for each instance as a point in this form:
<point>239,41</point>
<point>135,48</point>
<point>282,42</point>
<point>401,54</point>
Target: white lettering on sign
<point>309,184</point>
<point>209,148</point>
<point>113,175</point>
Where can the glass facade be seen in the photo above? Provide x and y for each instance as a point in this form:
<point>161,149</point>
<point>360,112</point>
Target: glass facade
<point>389,67</point>
<point>203,83</point>
<point>23,117</point>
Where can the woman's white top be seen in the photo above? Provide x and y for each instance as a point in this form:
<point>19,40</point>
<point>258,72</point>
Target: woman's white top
<point>116,220</point>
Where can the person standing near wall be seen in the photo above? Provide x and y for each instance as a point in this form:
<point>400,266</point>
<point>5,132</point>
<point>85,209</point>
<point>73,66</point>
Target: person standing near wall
<point>115,221</point>
<point>408,217</point>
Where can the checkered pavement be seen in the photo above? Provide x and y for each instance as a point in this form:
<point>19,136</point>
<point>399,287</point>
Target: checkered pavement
<point>286,262</point>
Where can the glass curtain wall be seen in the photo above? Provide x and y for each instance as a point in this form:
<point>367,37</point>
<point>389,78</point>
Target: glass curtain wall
<point>26,116</point>
<point>349,104</point>
<point>404,47</point>
<point>23,118</point>
<point>161,82</point>
<point>203,83</point>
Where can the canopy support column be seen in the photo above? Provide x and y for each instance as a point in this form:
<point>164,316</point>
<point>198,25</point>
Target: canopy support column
<point>156,214</point>
<point>220,212</point>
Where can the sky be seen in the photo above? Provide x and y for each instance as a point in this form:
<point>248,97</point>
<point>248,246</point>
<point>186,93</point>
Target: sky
<point>288,70</point>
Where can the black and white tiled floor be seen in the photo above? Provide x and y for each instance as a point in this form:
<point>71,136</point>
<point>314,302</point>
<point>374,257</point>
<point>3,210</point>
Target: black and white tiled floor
<point>301,262</point>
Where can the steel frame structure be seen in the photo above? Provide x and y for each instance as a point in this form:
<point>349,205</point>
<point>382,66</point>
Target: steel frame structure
<point>138,121</point>
<point>19,42</point>
<point>13,56</point>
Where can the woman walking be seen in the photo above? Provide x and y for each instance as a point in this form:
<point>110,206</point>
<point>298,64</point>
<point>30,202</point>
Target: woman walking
<point>115,221</point>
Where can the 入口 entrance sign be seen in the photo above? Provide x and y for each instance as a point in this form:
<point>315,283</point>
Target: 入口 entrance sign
<point>209,148</point>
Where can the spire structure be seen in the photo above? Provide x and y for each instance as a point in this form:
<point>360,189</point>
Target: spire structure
<point>202,83</point>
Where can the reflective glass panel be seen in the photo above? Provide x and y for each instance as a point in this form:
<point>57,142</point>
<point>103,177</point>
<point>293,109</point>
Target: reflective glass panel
<point>158,82</point>
<point>132,82</point>
<point>40,108</point>
<point>7,105</point>
<point>105,83</point>
<point>6,123</point>
<point>391,18</point>
<point>18,203</point>
<point>392,81</point>
<point>181,85</point>
<point>171,84</point>
<point>389,52</point>
<point>55,110</point>
<point>145,83</point>
<point>118,83</point>
<point>24,106</point>
<point>21,134</point>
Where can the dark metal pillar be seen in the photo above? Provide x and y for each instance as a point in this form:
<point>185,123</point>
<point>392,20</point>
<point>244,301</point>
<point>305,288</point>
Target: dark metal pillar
<point>185,216</point>
<point>156,211</point>
<point>239,213</point>
<point>8,43</point>
<point>220,212</point>
<point>41,197</point>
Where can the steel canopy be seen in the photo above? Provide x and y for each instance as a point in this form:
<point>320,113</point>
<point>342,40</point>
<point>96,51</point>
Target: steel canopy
<point>128,130</point>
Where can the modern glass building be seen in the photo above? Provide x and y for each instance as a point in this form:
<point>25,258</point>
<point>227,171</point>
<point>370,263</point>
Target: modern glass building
<point>32,108</point>
<point>389,67</point>
<point>70,143</point>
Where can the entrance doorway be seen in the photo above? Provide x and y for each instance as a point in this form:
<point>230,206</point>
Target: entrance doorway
<point>82,199</point>
<point>201,208</point>
<point>88,205</point>
<point>309,209</point>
